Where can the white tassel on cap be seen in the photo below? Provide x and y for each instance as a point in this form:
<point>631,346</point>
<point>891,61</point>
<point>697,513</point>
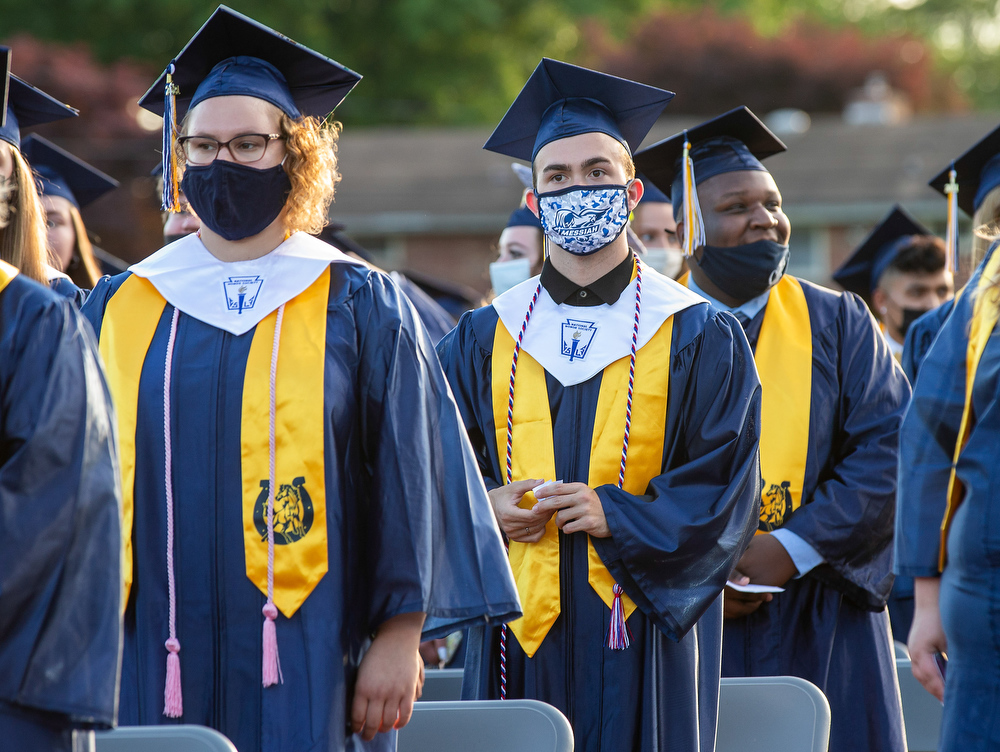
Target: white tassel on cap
<point>694,224</point>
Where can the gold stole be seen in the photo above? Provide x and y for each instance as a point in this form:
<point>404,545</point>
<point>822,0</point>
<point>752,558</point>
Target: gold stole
<point>536,565</point>
<point>985,312</point>
<point>784,364</point>
<point>300,561</point>
<point>7,273</point>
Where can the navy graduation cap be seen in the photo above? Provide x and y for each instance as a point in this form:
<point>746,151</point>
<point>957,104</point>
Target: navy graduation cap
<point>977,172</point>
<point>233,55</point>
<point>24,105</point>
<point>524,217</point>
<point>732,142</point>
<point>61,174</point>
<point>561,100</point>
<point>861,272</point>
<point>651,193</point>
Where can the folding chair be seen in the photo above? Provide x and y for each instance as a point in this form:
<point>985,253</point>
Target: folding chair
<point>486,726</point>
<point>921,710</point>
<point>769,713</point>
<point>442,685</point>
<point>182,738</point>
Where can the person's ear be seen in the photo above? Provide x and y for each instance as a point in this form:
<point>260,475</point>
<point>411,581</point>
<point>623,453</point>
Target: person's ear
<point>531,201</point>
<point>680,233</point>
<point>879,299</point>
<point>635,191</point>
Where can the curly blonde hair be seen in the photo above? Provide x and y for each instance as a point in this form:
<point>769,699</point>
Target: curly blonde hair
<point>23,239</point>
<point>311,165</point>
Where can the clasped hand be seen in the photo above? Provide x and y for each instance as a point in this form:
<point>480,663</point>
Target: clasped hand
<point>765,562</point>
<point>577,509</point>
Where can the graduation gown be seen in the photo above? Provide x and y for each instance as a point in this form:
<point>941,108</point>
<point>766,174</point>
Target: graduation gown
<point>970,609</point>
<point>409,527</point>
<point>830,626</point>
<point>670,549</point>
<point>60,539</point>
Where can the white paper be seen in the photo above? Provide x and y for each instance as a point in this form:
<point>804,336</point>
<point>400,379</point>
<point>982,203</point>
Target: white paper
<point>547,485</point>
<point>751,588</point>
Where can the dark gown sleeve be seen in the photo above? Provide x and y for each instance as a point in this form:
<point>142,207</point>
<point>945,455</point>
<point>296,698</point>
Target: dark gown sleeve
<point>434,545</point>
<point>849,518</point>
<point>920,336</point>
<point>928,438</point>
<point>60,539</point>
<point>68,290</point>
<point>673,548</point>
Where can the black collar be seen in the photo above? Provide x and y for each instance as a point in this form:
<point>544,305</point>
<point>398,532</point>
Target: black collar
<point>607,289</point>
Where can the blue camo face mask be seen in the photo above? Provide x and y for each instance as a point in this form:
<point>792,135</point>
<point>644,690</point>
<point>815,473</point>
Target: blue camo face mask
<point>584,220</point>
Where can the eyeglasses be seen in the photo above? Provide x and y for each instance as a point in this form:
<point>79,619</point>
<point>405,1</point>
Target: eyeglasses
<point>248,148</point>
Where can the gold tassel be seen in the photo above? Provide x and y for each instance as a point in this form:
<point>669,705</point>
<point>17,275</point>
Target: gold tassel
<point>694,224</point>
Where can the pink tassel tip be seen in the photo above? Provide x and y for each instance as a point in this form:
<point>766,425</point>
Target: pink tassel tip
<point>173,701</point>
<point>272,666</point>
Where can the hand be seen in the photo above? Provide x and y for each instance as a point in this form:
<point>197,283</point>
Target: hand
<point>429,651</point>
<point>765,562</point>
<point>577,508</point>
<point>927,635</point>
<point>519,525</point>
<point>390,677</point>
<point>736,604</point>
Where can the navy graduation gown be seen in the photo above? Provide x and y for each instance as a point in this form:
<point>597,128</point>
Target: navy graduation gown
<point>830,626</point>
<point>970,610</point>
<point>920,336</point>
<point>409,524</point>
<point>60,534</point>
<point>671,550</point>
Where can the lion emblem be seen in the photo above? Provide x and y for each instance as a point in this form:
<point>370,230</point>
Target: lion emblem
<point>775,505</point>
<point>293,512</point>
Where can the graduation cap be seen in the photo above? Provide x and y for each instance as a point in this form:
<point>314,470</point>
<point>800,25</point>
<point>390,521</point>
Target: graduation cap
<point>524,217</point>
<point>24,105</point>
<point>61,174</point>
<point>4,82</point>
<point>561,100</point>
<point>651,193</point>
<point>977,172</point>
<point>231,54</point>
<point>732,142</point>
<point>861,272</point>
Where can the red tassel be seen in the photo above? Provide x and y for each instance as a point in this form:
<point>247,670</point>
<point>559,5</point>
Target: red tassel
<point>173,701</point>
<point>272,666</point>
<point>619,636</point>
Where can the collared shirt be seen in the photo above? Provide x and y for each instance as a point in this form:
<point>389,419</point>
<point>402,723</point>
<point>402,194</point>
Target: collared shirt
<point>749,309</point>
<point>803,556</point>
<point>605,290</point>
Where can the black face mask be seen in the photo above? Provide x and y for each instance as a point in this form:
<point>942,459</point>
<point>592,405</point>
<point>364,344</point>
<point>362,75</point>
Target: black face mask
<point>745,271</point>
<point>909,316</point>
<point>235,200</point>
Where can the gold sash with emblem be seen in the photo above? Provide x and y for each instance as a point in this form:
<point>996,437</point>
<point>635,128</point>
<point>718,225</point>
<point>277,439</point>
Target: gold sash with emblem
<point>536,565</point>
<point>784,363</point>
<point>301,554</point>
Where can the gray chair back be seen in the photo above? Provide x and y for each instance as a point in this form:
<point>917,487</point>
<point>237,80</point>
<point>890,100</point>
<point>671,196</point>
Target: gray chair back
<point>770,713</point>
<point>921,710</point>
<point>442,685</point>
<point>181,738</point>
<point>486,726</point>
